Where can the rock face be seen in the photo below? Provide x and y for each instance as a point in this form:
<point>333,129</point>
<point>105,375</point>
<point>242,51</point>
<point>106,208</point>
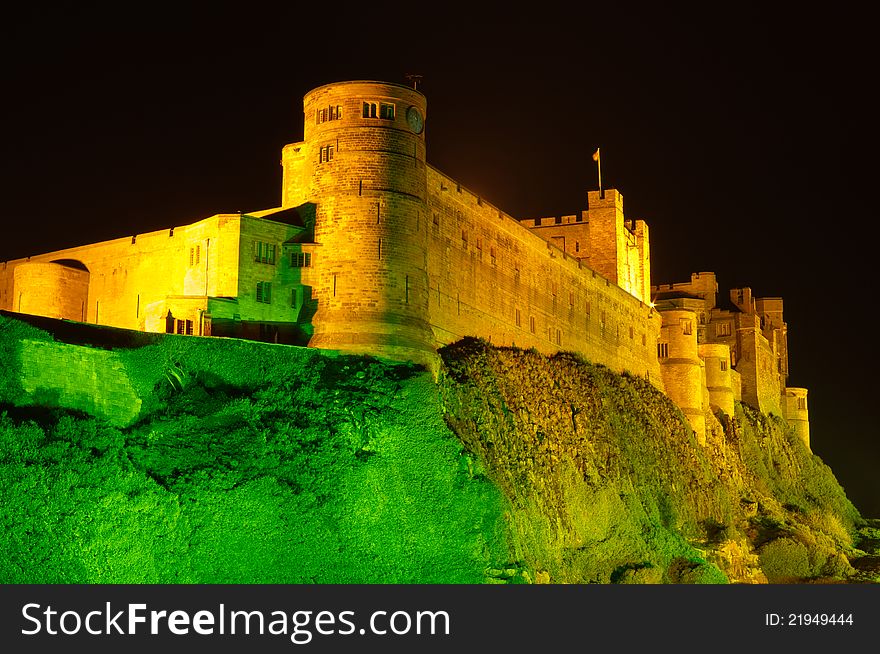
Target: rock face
<point>607,483</point>
<point>257,463</point>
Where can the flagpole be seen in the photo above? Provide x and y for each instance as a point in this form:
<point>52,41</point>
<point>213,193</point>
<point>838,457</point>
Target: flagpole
<point>598,159</point>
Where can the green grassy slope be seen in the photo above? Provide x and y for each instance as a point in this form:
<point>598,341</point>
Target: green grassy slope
<point>254,463</point>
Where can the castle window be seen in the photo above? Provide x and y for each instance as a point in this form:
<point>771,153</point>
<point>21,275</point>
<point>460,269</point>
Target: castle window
<point>479,244</point>
<point>335,112</point>
<point>194,255</point>
<point>320,116</point>
<point>577,246</point>
<point>588,307</point>
<point>264,292</point>
<point>557,220</point>
<point>326,154</point>
<point>723,365</point>
<point>559,337</point>
<point>722,329</point>
<point>571,298</point>
<point>518,318</point>
<point>632,333</point>
<point>687,326</point>
<point>264,252</point>
<point>532,324</point>
<point>492,254</point>
<point>386,111</point>
<point>300,259</point>
<point>662,350</point>
<point>644,341</point>
<point>185,327</point>
<point>369,109</point>
<point>802,403</point>
<point>296,297</point>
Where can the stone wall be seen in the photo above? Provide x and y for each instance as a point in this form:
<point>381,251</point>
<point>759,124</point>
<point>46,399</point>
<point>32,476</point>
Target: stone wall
<point>75,377</point>
<point>491,277</point>
<point>50,289</point>
<point>134,281</point>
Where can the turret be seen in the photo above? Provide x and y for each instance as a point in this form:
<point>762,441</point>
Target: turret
<point>362,162</point>
<point>681,367</point>
<point>797,414</point>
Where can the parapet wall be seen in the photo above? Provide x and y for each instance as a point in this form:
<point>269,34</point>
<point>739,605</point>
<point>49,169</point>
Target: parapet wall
<point>491,277</point>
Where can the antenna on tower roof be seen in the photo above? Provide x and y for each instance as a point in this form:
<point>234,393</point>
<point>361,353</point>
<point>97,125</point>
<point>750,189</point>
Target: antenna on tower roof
<point>415,79</point>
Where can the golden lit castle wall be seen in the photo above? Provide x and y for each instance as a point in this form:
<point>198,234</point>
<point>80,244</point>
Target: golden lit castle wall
<point>268,269</point>
<point>362,162</point>
<point>774,328</point>
<point>493,278</point>
<point>135,280</point>
<point>758,366</point>
<point>604,240</point>
<point>618,247</point>
<point>681,367</point>
<point>571,233</point>
<point>797,412</point>
<point>50,289</point>
<point>643,256</point>
<point>716,357</point>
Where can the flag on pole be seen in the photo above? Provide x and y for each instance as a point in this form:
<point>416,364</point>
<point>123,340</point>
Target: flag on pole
<point>596,155</point>
<point>599,164</point>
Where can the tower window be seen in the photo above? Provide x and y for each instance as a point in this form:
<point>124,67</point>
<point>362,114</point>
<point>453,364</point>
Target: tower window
<point>802,403</point>
<point>722,329</point>
<point>518,318</point>
<point>326,154</point>
<point>300,259</point>
<point>333,112</point>
<point>559,337</point>
<point>369,109</point>
<point>662,350</point>
<point>723,365</point>
<point>532,324</point>
<point>264,292</point>
<point>386,111</point>
<point>194,255</point>
<point>264,252</point>
<point>687,326</point>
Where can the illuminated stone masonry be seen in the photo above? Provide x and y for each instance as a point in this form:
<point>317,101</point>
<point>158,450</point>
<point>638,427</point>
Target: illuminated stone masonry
<point>374,251</point>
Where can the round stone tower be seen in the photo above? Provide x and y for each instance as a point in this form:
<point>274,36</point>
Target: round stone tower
<point>718,375</point>
<point>362,163</point>
<point>58,289</point>
<point>797,413</point>
<point>681,367</point>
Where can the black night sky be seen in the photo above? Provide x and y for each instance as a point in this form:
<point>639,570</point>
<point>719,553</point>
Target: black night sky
<point>745,140</point>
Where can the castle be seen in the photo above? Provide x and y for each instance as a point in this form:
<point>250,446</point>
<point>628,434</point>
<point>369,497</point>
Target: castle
<point>374,251</point>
